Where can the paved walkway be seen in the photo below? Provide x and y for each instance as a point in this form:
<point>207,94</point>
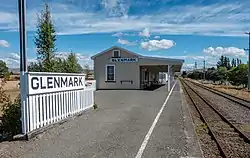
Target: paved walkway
<point>117,129</point>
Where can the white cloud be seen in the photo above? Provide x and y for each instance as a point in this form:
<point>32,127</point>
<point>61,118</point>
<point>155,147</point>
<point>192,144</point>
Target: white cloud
<point>13,59</point>
<point>118,34</point>
<point>154,45</point>
<point>82,59</point>
<point>227,51</point>
<point>109,3</point>
<point>188,66</point>
<point>215,19</point>
<point>4,43</point>
<point>145,33</point>
<point>125,42</point>
<point>157,37</point>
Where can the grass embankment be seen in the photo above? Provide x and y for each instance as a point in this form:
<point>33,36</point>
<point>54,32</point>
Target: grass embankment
<point>233,90</point>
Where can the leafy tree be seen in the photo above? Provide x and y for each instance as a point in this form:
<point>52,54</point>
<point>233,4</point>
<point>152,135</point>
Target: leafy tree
<point>45,40</point>
<point>3,67</point>
<point>60,65</point>
<point>221,74</point>
<point>220,62</point>
<point>184,74</point>
<point>72,65</point>
<point>197,75</point>
<point>35,67</point>
<point>238,75</point>
<point>227,64</point>
<point>234,62</point>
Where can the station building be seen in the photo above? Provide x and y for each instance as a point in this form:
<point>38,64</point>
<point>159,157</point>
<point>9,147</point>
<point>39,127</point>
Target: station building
<point>118,68</point>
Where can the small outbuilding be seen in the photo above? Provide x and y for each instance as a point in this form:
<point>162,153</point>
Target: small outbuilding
<point>118,68</point>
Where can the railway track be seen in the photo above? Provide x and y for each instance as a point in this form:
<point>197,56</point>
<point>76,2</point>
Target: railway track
<point>231,142</point>
<point>230,97</point>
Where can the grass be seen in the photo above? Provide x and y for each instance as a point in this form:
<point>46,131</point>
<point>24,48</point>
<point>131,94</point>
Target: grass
<point>238,92</point>
<point>233,90</point>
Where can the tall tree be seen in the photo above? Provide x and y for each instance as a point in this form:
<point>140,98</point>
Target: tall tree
<point>45,40</point>
<point>228,65</point>
<point>233,62</point>
<point>72,65</point>
<point>220,62</point>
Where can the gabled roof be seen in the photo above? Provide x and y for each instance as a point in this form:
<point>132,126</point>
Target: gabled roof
<point>179,61</point>
<point>114,47</point>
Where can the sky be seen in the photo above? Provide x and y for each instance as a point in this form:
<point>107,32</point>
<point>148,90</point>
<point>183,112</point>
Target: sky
<point>192,30</point>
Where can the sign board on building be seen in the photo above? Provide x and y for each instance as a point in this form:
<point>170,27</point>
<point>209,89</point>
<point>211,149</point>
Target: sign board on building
<point>47,83</point>
<point>125,60</point>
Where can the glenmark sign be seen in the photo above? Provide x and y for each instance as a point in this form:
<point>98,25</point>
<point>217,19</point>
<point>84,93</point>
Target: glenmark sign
<point>45,83</point>
<point>125,60</point>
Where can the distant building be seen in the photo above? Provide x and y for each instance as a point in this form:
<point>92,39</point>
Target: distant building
<point>118,68</point>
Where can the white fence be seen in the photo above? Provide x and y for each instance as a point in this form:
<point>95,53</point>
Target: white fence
<point>50,97</point>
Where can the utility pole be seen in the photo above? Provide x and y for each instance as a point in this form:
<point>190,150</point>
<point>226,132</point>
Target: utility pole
<point>204,69</point>
<point>248,33</point>
<point>22,31</point>
<point>23,63</point>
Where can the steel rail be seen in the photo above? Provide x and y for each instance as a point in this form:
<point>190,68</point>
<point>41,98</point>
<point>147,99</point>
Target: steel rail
<point>222,152</point>
<point>225,95</point>
<point>246,138</point>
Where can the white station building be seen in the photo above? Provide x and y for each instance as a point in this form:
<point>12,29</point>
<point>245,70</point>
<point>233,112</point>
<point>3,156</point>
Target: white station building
<point>118,68</point>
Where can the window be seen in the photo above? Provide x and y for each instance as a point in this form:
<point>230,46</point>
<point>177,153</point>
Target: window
<point>110,72</point>
<point>116,53</point>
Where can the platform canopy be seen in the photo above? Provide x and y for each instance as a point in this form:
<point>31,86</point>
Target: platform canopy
<point>161,63</point>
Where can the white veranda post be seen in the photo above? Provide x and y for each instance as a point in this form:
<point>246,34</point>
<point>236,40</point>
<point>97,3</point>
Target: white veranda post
<point>169,77</point>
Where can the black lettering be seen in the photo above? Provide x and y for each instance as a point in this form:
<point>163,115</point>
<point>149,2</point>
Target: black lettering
<point>56,82</point>
<point>64,82</point>
<point>80,81</point>
<point>41,83</point>
<point>49,82</point>
<point>70,82</point>
<point>75,81</point>
<point>32,83</point>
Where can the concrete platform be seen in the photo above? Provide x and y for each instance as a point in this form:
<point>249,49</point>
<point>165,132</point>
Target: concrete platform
<point>117,129</point>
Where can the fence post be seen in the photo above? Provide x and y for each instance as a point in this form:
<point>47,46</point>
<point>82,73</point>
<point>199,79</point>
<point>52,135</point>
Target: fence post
<point>24,95</point>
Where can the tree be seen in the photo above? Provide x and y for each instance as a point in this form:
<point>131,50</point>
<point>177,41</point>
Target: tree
<point>60,65</point>
<point>35,67</point>
<point>220,62</point>
<point>184,74</point>
<point>238,75</point>
<point>72,65</point>
<point>228,65</point>
<point>3,68</point>
<point>45,40</point>
<point>221,74</point>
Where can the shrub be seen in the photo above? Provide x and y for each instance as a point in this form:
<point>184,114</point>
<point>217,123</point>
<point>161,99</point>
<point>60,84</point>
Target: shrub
<point>11,124</point>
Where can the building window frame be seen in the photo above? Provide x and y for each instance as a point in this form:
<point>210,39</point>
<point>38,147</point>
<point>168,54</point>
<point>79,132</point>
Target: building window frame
<point>119,53</point>
<point>106,73</point>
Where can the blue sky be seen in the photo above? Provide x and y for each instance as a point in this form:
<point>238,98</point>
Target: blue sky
<point>184,29</point>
